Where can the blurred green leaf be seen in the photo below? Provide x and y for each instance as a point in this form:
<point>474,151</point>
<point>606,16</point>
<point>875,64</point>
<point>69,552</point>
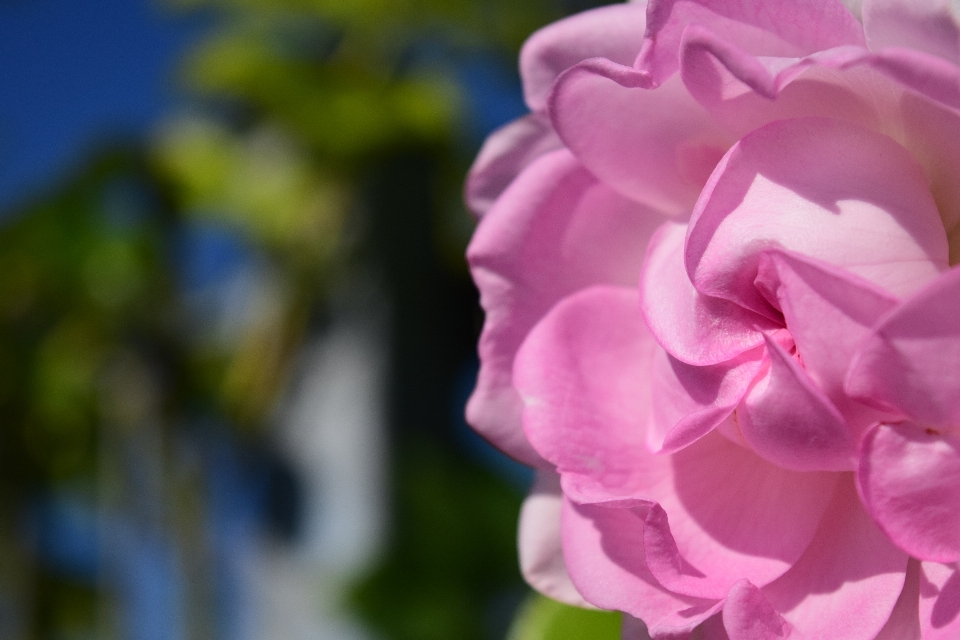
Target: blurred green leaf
<point>452,567</point>
<point>262,183</point>
<point>541,618</point>
<point>345,108</point>
<point>505,23</point>
<point>298,105</point>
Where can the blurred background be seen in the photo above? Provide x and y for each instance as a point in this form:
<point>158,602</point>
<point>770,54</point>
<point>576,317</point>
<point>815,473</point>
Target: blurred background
<point>237,331</point>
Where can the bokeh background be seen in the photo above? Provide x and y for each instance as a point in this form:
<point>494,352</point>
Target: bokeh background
<point>237,331</point>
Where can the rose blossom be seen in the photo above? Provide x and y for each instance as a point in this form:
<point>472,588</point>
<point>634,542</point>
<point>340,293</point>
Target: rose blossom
<point>721,319</point>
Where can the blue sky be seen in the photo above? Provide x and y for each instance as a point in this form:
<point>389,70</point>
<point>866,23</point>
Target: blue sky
<point>75,71</point>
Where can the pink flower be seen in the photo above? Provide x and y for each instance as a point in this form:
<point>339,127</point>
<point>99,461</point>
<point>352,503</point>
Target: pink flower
<point>721,318</point>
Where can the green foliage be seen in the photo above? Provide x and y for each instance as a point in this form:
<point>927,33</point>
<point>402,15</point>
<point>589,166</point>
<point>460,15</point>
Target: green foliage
<point>343,108</point>
<point>451,567</point>
<point>545,619</point>
<point>378,24</point>
<point>300,101</point>
<point>294,102</point>
<point>263,184</point>
<point>84,282</point>
<point>76,283</point>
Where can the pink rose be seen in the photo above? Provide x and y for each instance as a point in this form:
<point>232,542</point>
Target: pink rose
<point>721,317</point>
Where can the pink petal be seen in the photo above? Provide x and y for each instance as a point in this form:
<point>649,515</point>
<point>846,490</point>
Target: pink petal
<point>541,554</point>
<point>843,194</point>
<point>909,478</point>
<point>932,134</point>
<point>747,615</point>
<point>926,74</point>
<point>767,520</point>
<point>505,153</point>
<point>847,583</point>
<point>690,401</point>
<point>929,26</point>
<point>762,27</point>
<point>584,375</point>
<point>654,146</point>
<point>555,230</point>
<point>603,547</point>
<point>939,601</point>
<point>904,621</point>
<point>829,313</point>
<point>690,326</point>
<point>633,629</point>
<point>909,363</point>
<point>712,629</point>
<point>744,92</point>
<point>614,32</point>
<point>720,74</point>
<point>786,419</point>
<point>855,7</point>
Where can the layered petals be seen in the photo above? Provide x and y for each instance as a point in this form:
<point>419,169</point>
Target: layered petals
<point>904,621</point>
<point>692,327</point>
<point>781,28</point>
<point>849,579</point>
<point>931,26</point>
<point>505,153</point>
<point>849,584</point>
<point>719,74</point>
<point>633,628</point>
<point>762,439</point>
<point>928,75</point>
<point>744,92</point>
<point>932,134</point>
<point>690,401</point>
<point>830,313</point>
<point>844,194</point>
<point>939,601</point>
<point>767,520</point>
<point>909,363</point>
<point>748,615</point>
<point>657,147</point>
<point>556,230</point>
<point>614,32</point>
<point>584,375</point>
<point>604,548</point>
<point>539,541</point>
<point>786,419</point>
<point>909,478</point>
